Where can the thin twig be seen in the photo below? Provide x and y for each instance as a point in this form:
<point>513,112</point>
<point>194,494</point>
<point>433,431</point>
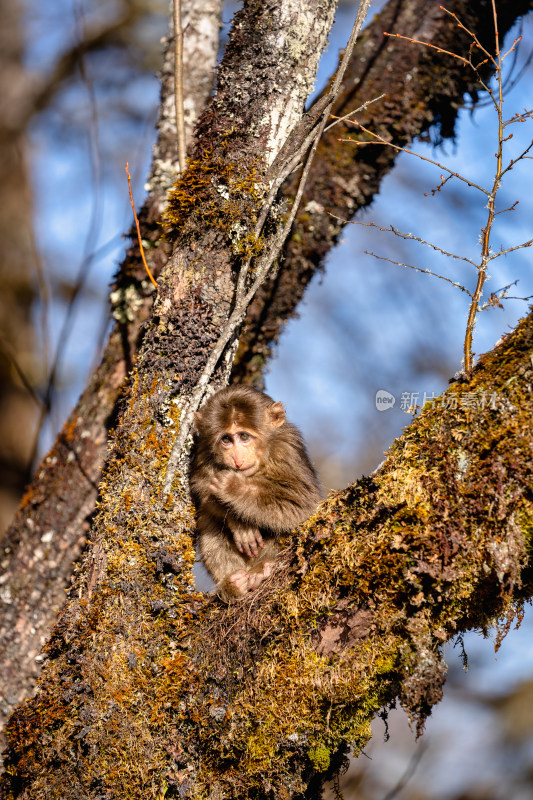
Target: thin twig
<point>141,248</point>
<point>8,350</point>
<point>505,210</point>
<point>178,84</point>
<point>355,111</point>
<point>428,44</point>
<point>408,774</point>
<point>468,33</point>
<point>421,269</point>
<point>91,235</point>
<point>442,184</point>
<point>381,140</point>
<point>513,161</point>
<point>487,230</point>
<point>501,294</point>
<point>528,114</point>
<point>406,236</point>
<point>510,249</point>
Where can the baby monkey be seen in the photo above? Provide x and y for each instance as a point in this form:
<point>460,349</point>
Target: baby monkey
<point>251,479</point>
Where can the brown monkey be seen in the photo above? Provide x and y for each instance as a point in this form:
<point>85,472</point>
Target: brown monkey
<point>251,479</point>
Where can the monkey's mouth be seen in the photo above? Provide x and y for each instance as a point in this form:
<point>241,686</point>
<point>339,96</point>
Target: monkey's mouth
<point>248,470</point>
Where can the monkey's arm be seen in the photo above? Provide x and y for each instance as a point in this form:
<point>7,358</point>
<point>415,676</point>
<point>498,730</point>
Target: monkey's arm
<point>247,537</point>
<point>277,503</point>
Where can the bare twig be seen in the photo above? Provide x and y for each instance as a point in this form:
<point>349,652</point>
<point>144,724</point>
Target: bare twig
<point>355,111</point>
<point>141,248</point>
<point>178,83</point>
<point>9,351</point>
<point>527,114</point>
<point>407,236</point>
<point>91,233</point>
<point>442,184</point>
<point>465,61</point>
<point>510,250</point>
<point>494,298</point>
<point>421,269</point>
<point>474,38</point>
<point>408,774</point>
<point>509,208</point>
<point>522,155</point>
<point>381,140</point>
<point>487,230</point>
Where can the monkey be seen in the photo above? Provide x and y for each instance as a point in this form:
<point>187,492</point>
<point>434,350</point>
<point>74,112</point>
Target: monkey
<point>251,479</point>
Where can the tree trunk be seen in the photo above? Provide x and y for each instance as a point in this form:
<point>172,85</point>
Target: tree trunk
<point>50,529</point>
<point>151,692</point>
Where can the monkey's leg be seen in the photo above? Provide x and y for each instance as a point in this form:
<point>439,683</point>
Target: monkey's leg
<point>227,567</point>
<point>262,567</point>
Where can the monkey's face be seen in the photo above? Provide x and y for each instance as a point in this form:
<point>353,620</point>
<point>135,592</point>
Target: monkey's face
<point>239,449</point>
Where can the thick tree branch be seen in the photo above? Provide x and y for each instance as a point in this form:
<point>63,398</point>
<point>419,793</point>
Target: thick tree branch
<point>140,532</point>
<point>80,450</point>
<point>263,699</point>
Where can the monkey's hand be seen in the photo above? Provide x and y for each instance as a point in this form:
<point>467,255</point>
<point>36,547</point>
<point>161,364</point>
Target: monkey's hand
<point>224,485</point>
<point>247,540</point>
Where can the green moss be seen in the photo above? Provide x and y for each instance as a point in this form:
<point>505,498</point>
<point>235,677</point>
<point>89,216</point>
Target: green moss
<point>219,191</point>
<point>319,757</point>
<point>525,520</point>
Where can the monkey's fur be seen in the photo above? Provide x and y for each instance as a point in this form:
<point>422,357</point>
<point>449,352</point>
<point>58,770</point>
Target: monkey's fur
<point>251,479</point>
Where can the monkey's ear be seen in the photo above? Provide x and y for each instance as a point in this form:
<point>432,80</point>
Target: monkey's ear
<point>276,415</point>
<point>197,419</point>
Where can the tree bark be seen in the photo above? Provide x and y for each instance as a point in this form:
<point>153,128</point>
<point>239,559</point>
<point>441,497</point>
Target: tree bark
<point>259,100</point>
<point>149,691</point>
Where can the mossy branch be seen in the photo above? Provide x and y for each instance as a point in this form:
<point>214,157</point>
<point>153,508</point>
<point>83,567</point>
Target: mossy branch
<point>263,699</point>
<point>384,574</point>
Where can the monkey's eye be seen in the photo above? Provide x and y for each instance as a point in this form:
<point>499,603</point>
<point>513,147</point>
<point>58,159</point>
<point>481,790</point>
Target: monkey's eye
<point>245,437</point>
<point>226,440</point>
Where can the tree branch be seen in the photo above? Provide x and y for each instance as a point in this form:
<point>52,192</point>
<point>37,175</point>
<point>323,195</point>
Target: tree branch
<point>341,182</point>
<point>264,698</point>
